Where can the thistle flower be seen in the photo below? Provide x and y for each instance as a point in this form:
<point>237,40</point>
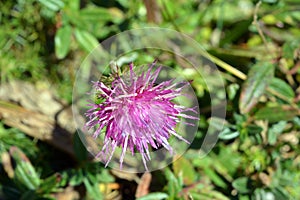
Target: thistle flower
<point>137,114</point>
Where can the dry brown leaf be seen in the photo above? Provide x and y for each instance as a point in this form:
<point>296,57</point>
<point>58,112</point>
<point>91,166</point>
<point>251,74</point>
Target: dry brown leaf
<point>68,194</point>
<point>144,184</point>
<point>7,165</point>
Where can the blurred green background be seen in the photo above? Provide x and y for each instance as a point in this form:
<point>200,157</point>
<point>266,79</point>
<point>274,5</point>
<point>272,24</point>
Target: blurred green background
<point>256,45</point>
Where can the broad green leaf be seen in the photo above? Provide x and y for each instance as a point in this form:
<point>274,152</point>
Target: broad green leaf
<point>105,176</point>
<point>155,195</point>
<point>215,177</point>
<point>54,5</point>
<point>77,178</point>
<point>270,1</point>
<point>282,88</point>
<point>296,121</point>
<point>173,183</point>
<point>50,183</point>
<point>62,41</point>
<point>258,79</point>
<point>208,195</point>
<point>276,113</point>
<point>274,131</point>
<point>254,129</point>
<point>24,171</point>
<point>225,163</point>
<point>241,184</point>
<point>183,167</point>
<point>74,5</point>
<point>95,14</point>
<point>92,190</point>
<point>117,15</point>
<point>86,40</point>
<point>203,162</point>
<point>232,90</point>
<point>228,134</point>
<point>75,19</point>
<point>289,48</point>
<point>217,195</point>
<point>259,194</point>
<point>64,179</point>
<point>280,193</point>
<point>91,176</point>
<point>269,19</point>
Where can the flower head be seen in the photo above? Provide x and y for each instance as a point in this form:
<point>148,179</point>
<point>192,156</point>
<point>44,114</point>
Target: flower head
<point>137,113</point>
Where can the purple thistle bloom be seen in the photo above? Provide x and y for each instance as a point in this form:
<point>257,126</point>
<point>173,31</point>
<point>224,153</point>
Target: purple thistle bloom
<point>137,113</point>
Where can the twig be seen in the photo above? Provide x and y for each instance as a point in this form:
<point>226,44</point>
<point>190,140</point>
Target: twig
<point>256,24</point>
<point>153,11</point>
<point>227,67</point>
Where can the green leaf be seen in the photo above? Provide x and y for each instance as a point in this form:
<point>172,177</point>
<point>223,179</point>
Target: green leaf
<point>96,14</point>
<point>173,183</point>
<point>92,190</point>
<point>50,183</point>
<point>282,88</point>
<point>274,131</point>
<point>241,184</point>
<point>232,90</point>
<point>296,121</point>
<point>155,195</point>
<point>270,1</point>
<point>254,129</point>
<point>282,113</point>
<point>258,79</point>
<point>77,178</point>
<point>183,167</point>
<point>208,195</point>
<point>260,194</point>
<point>289,48</point>
<point>74,5</point>
<point>87,41</point>
<point>280,193</point>
<point>24,171</point>
<point>105,176</point>
<point>215,177</point>
<point>228,134</point>
<point>226,162</point>
<point>117,15</point>
<point>54,5</point>
<point>62,41</point>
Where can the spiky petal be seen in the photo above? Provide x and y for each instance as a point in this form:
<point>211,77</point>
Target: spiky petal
<point>137,114</point>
